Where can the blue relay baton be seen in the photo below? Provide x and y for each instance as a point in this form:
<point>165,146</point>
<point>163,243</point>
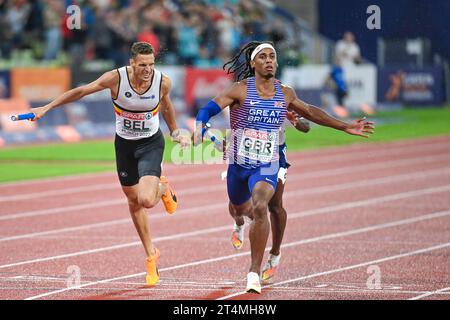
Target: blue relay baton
<point>24,116</point>
<point>205,128</point>
<point>217,143</point>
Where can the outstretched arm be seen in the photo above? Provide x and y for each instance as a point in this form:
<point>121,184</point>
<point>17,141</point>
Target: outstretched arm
<point>168,113</point>
<point>107,81</point>
<point>215,106</point>
<point>358,127</point>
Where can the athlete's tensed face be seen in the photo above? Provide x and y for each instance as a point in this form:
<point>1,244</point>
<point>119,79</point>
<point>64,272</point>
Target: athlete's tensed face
<point>265,63</point>
<point>143,65</point>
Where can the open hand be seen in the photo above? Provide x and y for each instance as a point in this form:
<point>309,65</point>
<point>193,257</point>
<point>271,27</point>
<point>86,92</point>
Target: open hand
<point>183,140</point>
<point>361,128</point>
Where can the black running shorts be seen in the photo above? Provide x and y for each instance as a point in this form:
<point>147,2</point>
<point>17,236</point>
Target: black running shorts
<point>138,158</point>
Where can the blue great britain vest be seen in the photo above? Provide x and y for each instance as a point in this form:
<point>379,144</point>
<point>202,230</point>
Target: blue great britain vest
<point>255,126</point>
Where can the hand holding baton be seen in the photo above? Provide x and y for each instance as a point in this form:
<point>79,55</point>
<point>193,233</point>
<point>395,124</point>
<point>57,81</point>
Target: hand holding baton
<point>24,116</point>
<point>219,145</point>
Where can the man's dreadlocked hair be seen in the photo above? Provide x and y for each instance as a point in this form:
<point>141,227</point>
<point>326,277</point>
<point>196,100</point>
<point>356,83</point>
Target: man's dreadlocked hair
<point>242,69</point>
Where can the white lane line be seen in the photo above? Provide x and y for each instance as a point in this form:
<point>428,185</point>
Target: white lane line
<point>393,197</point>
<point>93,187</point>
<point>427,294</point>
<point>57,179</point>
<point>374,166</point>
<point>335,291</point>
<point>60,192</point>
<point>367,154</point>
<point>100,204</point>
<point>220,186</point>
<point>323,210</point>
<point>204,209</point>
<point>368,182</point>
<point>154,215</point>
<point>119,246</point>
<point>402,145</point>
<point>70,229</point>
<point>66,209</point>
<point>213,287</point>
<point>206,288</point>
<point>291,244</point>
<point>354,266</point>
<point>181,177</point>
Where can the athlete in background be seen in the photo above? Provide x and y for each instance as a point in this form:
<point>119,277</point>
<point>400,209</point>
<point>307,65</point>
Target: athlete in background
<point>278,215</point>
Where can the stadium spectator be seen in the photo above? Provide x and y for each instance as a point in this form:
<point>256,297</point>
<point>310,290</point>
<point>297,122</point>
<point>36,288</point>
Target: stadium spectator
<point>163,23</point>
<point>337,81</point>
<point>53,19</point>
<point>101,33</point>
<point>180,29</point>
<point>5,32</point>
<point>188,39</point>
<point>148,35</point>
<point>205,60</point>
<point>17,15</point>
<point>275,33</point>
<point>34,27</point>
<point>347,50</point>
<point>229,34</point>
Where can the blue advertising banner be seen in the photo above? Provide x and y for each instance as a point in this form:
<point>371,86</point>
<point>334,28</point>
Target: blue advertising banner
<point>5,84</point>
<point>411,86</point>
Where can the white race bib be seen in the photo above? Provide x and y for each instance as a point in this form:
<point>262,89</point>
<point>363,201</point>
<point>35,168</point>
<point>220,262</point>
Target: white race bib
<point>258,145</point>
<point>134,125</point>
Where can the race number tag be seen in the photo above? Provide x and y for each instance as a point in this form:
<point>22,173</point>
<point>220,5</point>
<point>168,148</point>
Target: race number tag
<point>257,145</point>
<point>135,124</point>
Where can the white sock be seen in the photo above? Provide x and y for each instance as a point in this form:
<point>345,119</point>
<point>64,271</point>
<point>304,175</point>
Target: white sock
<point>252,276</point>
<point>247,220</point>
<point>238,228</point>
<point>274,260</point>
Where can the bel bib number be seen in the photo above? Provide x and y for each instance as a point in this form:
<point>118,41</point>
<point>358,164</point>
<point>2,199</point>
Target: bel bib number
<point>135,125</point>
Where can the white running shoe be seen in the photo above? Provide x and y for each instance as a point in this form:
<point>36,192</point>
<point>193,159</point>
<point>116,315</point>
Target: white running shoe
<point>237,237</point>
<point>248,220</point>
<point>270,267</point>
<point>253,284</point>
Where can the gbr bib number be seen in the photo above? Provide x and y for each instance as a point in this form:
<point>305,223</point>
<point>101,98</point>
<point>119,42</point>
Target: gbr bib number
<point>257,145</point>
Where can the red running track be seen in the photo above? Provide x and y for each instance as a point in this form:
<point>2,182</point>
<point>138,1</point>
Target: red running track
<point>353,213</point>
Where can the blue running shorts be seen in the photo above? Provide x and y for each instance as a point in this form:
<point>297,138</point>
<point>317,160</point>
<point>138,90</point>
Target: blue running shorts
<point>241,181</point>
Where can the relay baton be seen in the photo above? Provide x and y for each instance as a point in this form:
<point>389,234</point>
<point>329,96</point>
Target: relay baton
<point>219,145</point>
<point>24,116</point>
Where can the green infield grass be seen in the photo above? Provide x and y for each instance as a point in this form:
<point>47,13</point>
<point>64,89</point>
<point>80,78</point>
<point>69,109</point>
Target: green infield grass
<point>39,161</point>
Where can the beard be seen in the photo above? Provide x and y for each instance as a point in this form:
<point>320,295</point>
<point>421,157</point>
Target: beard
<point>269,76</point>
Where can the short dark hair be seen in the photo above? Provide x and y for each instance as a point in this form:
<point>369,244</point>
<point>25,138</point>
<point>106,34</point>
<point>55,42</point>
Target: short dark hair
<point>141,48</point>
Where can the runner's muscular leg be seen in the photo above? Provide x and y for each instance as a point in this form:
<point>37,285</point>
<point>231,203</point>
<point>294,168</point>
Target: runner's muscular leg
<point>139,216</point>
<point>278,218</point>
<point>238,211</point>
<point>150,191</point>
<point>259,228</point>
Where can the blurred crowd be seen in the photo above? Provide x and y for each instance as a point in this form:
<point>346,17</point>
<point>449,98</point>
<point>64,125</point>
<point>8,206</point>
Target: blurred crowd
<point>202,33</point>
